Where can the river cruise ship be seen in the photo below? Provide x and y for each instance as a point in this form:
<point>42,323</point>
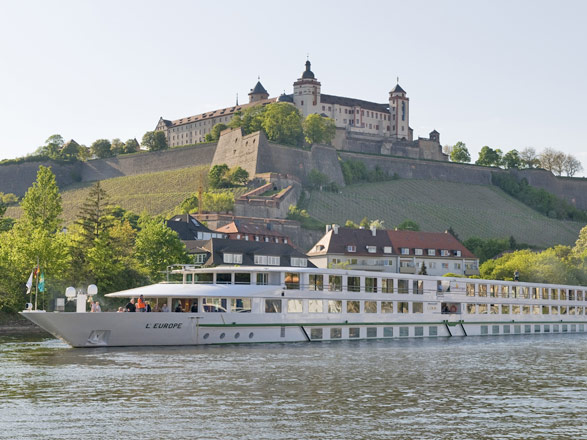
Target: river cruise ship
<point>234,305</point>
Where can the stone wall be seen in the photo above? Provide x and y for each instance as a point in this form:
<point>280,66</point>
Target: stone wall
<point>18,178</point>
<point>572,190</point>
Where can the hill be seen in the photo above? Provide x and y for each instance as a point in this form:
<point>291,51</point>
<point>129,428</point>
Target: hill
<point>472,210</point>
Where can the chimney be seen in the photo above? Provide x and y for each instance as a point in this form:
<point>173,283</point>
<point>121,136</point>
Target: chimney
<point>335,228</point>
<point>328,228</point>
<point>373,231</point>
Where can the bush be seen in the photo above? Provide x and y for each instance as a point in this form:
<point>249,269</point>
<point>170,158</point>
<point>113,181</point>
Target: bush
<point>355,171</point>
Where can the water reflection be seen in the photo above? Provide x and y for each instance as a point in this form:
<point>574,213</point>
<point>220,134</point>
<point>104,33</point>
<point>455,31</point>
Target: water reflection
<point>475,388</point>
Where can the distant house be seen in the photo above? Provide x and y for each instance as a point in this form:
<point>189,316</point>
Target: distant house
<point>251,231</point>
<point>191,231</point>
<point>219,252</point>
<point>393,251</point>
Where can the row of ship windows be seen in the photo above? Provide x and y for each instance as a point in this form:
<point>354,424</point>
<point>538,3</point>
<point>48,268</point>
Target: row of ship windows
<point>504,291</point>
<point>506,309</point>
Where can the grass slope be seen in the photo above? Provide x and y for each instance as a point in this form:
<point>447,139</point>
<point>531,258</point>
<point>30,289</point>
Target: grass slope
<point>471,210</point>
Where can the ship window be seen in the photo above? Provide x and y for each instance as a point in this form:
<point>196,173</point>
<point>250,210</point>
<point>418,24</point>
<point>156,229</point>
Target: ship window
<point>334,306</point>
<point>292,281</point>
<point>388,332</point>
<point>404,331</point>
<point>565,328</point>
<point>294,306</point>
<point>223,278</point>
<point>354,332</point>
<point>433,331</point>
<point>335,333</point>
<point>536,310</point>
<point>251,335</point>
<point>386,307</point>
<point>563,310</point>
<point>240,305</point>
<point>554,310</point>
<point>470,289</point>
<point>471,309</point>
<point>387,285</point>
<point>316,306</point>
<point>214,305</point>
<point>418,287</point>
<point>370,306</point>
<point>418,331</point>
<point>262,279</point>
<point>354,284</point>
<point>554,294</point>
<point>403,307</point>
<point>526,310</point>
<point>242,278</point>
<point>203,278</point>
<point>482,309</point>
<point>370,284</point>
<point>482,289</point>
<point>417,307</point>
<point>506,329</point>
<point>316,333</point>
<point>335,282</point>
<point>505,309</point>
<point>516,309</point>
<point>272,306</point>
<point>484,330</point>
<point>403,286</point>
<point>493,309</point>
<point>537,328</point>
<point>371,332</point>
<point>316,282</point>
<point>352,306</point>
<point>547,328</point>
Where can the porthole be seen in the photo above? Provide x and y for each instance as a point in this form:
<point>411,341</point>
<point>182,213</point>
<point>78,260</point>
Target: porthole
<point>237,335</point>
<point>251,335</point>
<point>222,335</point>
<point>207,335</point>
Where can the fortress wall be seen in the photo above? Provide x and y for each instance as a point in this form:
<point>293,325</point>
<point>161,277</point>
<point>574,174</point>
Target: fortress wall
<point>171,159</point>
<point>234,149</point>
<point>572,190</point>
<point>18,178</point>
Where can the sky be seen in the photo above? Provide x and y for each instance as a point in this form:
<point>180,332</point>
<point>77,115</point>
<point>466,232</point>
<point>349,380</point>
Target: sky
<point>507,74</point>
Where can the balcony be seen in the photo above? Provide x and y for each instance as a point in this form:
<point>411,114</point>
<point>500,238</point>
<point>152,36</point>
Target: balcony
<point>408,268</point>
<point>470,271</point>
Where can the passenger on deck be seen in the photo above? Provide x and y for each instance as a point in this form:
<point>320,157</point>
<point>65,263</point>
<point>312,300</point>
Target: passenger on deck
<point>141,306</point>
<point>178,308</point>
<point>165,308</point>
<point>97,307</point>
<point>516,275</point>
<point>194,308</point>
<point>120,310</point>
<point>130,307</point>
<point>148,307</point>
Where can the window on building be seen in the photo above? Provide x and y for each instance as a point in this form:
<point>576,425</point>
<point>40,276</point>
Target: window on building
<point>418,252</point>
<point>387,249</point>
<point>232,258</point>
<point>299,262</point>
<point>444,253</point>
<point>431,252</point>
<point>371,249</point>
<point>261,259</point>
<point>405,251</point>
<point>199,258</point>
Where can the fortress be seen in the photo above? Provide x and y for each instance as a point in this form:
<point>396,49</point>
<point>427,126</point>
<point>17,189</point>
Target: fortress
<point>362,126</point>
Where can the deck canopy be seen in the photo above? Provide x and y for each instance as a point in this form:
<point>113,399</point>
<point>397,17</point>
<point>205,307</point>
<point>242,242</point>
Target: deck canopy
<point>165,290</point>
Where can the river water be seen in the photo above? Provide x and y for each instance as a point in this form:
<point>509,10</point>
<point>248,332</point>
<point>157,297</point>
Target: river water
<point>516,387</point>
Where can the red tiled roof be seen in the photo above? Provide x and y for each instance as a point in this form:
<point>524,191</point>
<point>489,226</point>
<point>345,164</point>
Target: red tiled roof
<point>427,240</point>
<point>248,228</point>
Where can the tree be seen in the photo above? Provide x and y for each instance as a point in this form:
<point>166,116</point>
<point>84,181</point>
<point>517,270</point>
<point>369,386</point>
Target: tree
<point>460,153</point>
<point>318,129</point>
<point>117,147</point>
<point>157,247</point>
<point>552,160</point>
<point>96,214</point>
<point>71,150</point>
<point>237,176</point>
<point>155,141</point>
<point>365,223</point>
<point>41,204</point>
<point>52,147</point>
<point>214,134</point>
<point>572,165</point>
<point>218,202</point>
<point>131,146</point>
<point>217,176</point>
<point>529,158</point>
<point>101,148</point>
<point>377,224</point>
<point>351,224</point>
<point>317,179</point>
<point>251,120</point>
<point>489,157</point>
<point>408,225</point>
<point>191,204</point>
<point>283,123</point>
<point>512,160</point>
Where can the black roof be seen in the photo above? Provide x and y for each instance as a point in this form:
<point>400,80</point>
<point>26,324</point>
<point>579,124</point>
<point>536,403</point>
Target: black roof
<point>259,89</point>
<point>352,102</point>
<point>398,89</point>
<point>285,98</point>
<point>308,74</point>
<point>186,226</point>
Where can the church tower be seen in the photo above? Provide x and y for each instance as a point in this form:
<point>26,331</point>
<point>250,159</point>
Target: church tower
<point>258,93</point>
<point>306,92</point>
<point>399,109</point>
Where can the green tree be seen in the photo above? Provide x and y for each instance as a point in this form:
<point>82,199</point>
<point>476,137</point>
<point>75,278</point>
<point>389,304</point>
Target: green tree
<point>131,146</point>
<point>512,159</point>
<point>460,153</point>
<point>318,129</point>
<point>408,225</point>
<point>529,158</point>
<point>96,214</point>
<point>101,148</point>
<point>237,176</point>
<point>217,176</point>
<point>283,123</point>
<point>218,201</point>
<point>71,150</point>
<point>377,224</point>
<point>317,179</point>
<point>52,147</point>
<point>214,134</point>
<point>41,204</point>
<point>191,204</point>
<point>117,147</point>
<point>157,247</point>
<point>155,141</point>
<point>365,222</point>
<point>251,120</point>
<point>489,157</point>
<point>351,224</point>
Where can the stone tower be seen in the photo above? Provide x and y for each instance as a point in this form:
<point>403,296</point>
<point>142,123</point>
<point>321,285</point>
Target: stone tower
<point>258,93</point>
<point>399,108</point>
<point>307,92</point>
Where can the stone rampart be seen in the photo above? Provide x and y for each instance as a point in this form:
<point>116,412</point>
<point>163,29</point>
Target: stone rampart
<point>17,178</point>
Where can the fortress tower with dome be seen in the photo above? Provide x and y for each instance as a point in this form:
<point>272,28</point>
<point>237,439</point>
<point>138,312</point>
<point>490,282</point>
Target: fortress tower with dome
<point>362,126</point>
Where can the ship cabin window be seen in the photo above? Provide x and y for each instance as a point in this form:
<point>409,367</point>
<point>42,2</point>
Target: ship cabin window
<point>482,289</point>
<point>534,293</point>
<point>418,287</point>
<point>335,333</point>
<point>223,278</point>
<point>493,290</point>
<point>292,281</point>
<point>370,284</point>
<point>387,285</point>
<point>335,283</point>
<point>294,306</point>
<point>316,306</point>
<point>493,309</point>
<point>579,295</point>
<point>471,309</point>
<point>554,294</point>
<point>563,310</point>
<point>444,287</point>
<point>214,305</point>
<point>516,309</point>
<point>505,309</point>
<point>354,284</point>
<point>403,307</point>
<point>272,306</point>
<point>334,306</point>
<point>352,307</point>
<point>417,307</point>
<point>240,305</point>
<point>242,278</point>
<point>403,286</point>
<point>370,306</point>
<point>316,282</point>
<point>545,293</point>
<point>262,279</point>
<point>525,310</point>
<point>482,310</point>
<point>545,310</point>
<point>505,291</point>
<point>571,295</point>
<point>563,294</point>
<point>536,310</point>
<point>386,307</point>
<point>354,332</point>
<point>203,278</point>
<point>470,289</point>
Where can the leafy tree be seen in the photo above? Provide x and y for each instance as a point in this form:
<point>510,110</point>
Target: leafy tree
<point>552,160</point>
<point>214,134</point>
<point>571,165</point>
<point>96,213</point>
<point>157,247</point>
<point>283,123</point>
<point>512,159</point>
<point>351,224</point>
<point>365,222</point>
<point>460,153</point>
<point>529,158</point>
<point>41,204</point>
<point>489,157</point>
<point>354,171</point>
<point>251,120</point>
<point>191,204</point>
<point>408,225</point>
<point>101,148</point>
<point>155,141</point>
<point>237,176</point>
<point>117,147</point>
<point>377,224</point>
<point>52,147</point>
<point>131,146</point>
<point>71,150</point>
<point>318,129</point>
<point>217,176</point>
<point>317,179</point>
<point>218,201</point>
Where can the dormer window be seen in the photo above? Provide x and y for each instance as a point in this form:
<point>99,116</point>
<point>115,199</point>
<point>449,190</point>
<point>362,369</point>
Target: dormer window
<point>351,248</point>
<point>371,249</point>
<point>444,253</point>
<point>387,249</point>
<point>431,252</point>
<point>319,247</point>
<point>457,253</point>
<point>405,251</point>
<point>418,252</point>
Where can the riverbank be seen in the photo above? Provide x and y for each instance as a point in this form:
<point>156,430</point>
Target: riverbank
<point>14,323</point>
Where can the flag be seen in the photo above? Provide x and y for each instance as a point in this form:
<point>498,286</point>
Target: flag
<point>41,283</point>
<point>29,283</point>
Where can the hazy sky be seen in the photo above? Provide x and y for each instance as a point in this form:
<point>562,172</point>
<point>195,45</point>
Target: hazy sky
<point>508,74</point>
